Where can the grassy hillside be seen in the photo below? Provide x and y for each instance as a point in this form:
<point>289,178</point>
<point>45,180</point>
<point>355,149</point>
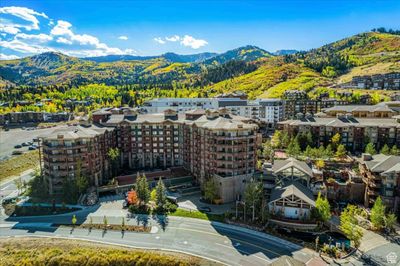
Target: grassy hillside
<point>250,69</point>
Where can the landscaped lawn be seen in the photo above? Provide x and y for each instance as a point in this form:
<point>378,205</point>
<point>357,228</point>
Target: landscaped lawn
<point>198,215</point>
<point>18,164</point>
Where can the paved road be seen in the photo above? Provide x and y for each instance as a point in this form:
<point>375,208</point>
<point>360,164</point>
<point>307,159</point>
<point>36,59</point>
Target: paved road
<point>8,139</point>
<point>225,243</point>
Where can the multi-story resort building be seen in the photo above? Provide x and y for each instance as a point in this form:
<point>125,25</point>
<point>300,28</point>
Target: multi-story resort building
<point>266,111</point>
<point>381,175</point>
<point>297,102</point>
<point>209,144</point>
<point>380,110</point>
<point>73,151</point>
<point>389,81</point>
<point>355,132</point>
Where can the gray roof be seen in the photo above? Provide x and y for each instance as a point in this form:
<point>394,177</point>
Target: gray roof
<point>75,132</point>
<point>280,165</point>
<point>343,122</point>
<point>364,108</point>
<point>295,189</point>
<point>227,121</point>
<point>383,163</point>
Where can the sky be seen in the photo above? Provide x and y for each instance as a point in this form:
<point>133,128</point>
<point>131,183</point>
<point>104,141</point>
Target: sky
<point>101,27</point>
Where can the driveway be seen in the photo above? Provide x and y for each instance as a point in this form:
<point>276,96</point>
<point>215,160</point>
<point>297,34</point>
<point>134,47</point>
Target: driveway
<point>193,202</point>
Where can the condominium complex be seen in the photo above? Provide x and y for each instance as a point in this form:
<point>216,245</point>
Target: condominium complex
<point>76,151</point>
<point>210,144</point>
<point>355,132</point>
<point>381,175</point>
<point>380,110</point>
<point>267,111</point>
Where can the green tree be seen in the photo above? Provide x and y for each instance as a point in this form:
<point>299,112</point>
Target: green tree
<point>142,189</point>
<point>285,139</point>
<point>81,182</point>
<point>211,190</point>
<point>161,197</point>
<point>293,148</point>
<point>394,150</point>
<point>370,148</point>
<point>341,151</point>
<point>335,140</point>
<point>390,221</point>
<point>323,208</point>
<point>113,155</point>
<point>385,149</point>
<point>153,195</point>
<point>276,139</point>
<point>268,151</point>
<point>378,214</point>
<point>349,225</point>
<point>329,152</point>
<point>253,194</point>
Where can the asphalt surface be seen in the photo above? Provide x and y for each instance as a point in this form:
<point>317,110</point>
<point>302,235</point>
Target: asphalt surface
<point>228,244</point>
<point>8,139</point>
<point>223,244</point>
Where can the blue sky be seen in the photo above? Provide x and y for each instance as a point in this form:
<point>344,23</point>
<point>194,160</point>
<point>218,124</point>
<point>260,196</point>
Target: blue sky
<point>89,28</point>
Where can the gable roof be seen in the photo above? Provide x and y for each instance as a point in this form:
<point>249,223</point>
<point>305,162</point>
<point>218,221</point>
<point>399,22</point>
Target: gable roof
<point>382,163</point>
<point>280,165</point>
<point>295,189</point>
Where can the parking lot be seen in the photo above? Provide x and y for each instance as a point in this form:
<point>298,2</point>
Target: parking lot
<point>8,139</point>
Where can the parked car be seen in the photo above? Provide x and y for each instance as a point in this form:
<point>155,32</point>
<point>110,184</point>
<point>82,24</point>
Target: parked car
<point>17,152</point>
<point>30,142</point>
<point>32,148</point>
<point>25,144</point>
<point>205,209</point>
<point>17,146</point>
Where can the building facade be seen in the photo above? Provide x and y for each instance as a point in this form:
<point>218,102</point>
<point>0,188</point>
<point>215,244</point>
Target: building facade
<point>355,133</point>
<point>209,144</point>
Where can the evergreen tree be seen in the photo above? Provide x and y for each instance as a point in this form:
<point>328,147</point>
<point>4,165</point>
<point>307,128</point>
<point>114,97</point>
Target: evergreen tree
<point>394,150</point>
<point>161,197</point>
<point>323,208</point>
<point>378,214</point>
<point>370,148</point>
<point>385,150</point>
<point>328,151</point>
<point>142,189</point>
<point>341,151</point>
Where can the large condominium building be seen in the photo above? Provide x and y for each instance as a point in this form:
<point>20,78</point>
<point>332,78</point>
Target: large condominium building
<point>210,144</point>
<point>381,175</point>
<point>380,110</point>
<point>355,132</point>
<point>73,151</point>
<point>268,111</point>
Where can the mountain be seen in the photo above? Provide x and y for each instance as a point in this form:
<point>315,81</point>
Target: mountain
<point>249,68</point>
<point>245,53</point>
<point>172,57</point>
<point>285,52</point>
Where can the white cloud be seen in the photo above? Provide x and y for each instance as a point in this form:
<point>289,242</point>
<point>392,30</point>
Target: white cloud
<point>63,40</point>
<point>23,47</point>
<point>174,38</point>
<point>189,41</point>
<point>123,37</point>
<point>10,29</point>
<point>25,14</point>
<point>38,37</point>
<point>8,57</point>
<point>18,39</point>
<point>159,40</point>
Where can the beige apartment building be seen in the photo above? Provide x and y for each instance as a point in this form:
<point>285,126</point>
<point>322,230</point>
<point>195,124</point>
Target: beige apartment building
<point>209,144</point>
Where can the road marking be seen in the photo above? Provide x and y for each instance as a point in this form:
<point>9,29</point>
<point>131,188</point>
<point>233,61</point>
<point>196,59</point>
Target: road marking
<point>157,237</point>
<point>245,252</point>
<point>185,242</point>
<point>4,188</point>
<point>238,240</point>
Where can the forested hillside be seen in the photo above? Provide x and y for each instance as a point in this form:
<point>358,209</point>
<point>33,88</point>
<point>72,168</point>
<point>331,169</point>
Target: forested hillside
<point>249,69</point>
